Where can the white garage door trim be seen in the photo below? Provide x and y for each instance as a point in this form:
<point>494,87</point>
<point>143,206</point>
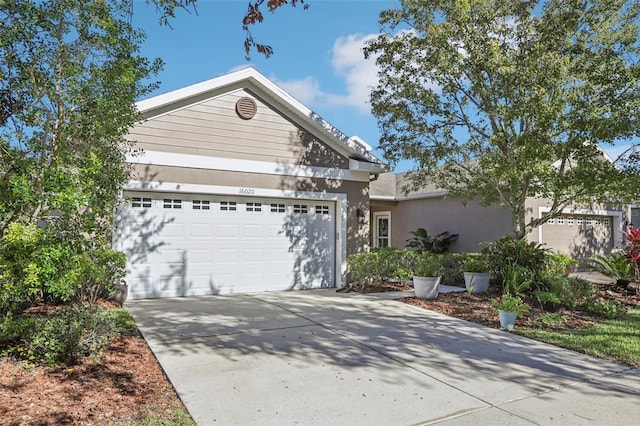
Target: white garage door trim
<point>617,220</point>
<point>339,198</point>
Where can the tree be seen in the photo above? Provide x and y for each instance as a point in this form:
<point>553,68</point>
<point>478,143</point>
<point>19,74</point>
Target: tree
<point>503,100</point>
<point>73,74</point>
<point>254,15</point>
<point>69,76</point>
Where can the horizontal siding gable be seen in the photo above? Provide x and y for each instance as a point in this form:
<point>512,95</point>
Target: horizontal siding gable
<point>211,127</point>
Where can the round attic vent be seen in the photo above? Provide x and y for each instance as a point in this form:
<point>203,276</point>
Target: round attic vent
<point>246,108</point>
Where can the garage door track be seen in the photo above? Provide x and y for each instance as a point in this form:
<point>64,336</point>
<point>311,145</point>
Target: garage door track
<point>327,358</point>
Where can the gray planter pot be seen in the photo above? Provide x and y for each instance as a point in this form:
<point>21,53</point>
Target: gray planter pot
<point>479,281</point>
<point>426,287</point>
<point>507,319</point>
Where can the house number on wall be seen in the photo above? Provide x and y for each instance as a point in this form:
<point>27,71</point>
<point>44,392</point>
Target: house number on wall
<point>247,191</point>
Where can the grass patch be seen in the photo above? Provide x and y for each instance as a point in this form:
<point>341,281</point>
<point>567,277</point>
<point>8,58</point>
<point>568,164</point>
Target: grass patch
<point>616,340</point>
<point>153,415</point>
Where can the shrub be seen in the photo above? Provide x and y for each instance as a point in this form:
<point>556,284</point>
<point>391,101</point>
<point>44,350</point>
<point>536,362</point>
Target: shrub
<point>381,265</point>
<point>102,270</point>
<point>428,265</point>
<point>452,268</point>
<point>570,290</point>
<point>604,308</point>
<point>475,262</point>
<point>38,265</point>
<point>509,251</point>
<point>578,289</point>
<point>558,264</point>
<point>62,336</point>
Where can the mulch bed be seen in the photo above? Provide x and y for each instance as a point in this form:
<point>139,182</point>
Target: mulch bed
<point>477,307</point>
<point>125,385</point>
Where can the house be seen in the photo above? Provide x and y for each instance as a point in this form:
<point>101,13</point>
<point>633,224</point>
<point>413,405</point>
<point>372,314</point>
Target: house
<point>240,188</point>
<point>579,232</point>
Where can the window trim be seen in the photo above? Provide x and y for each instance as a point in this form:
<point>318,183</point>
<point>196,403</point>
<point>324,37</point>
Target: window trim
<point>376,215</point>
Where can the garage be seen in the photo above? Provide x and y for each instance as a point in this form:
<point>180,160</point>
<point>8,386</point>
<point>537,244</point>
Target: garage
<point>237,187</point>
<point>192,244</point>
<point>581,234</point>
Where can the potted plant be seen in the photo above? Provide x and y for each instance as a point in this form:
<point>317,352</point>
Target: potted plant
<point>549,301</point>
<point>509,307</point>
<point>427,274</point>
<point>476,273</point>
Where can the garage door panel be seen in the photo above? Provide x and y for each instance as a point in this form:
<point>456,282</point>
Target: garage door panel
<point>200,257</point>
<point>173,230</point>
<point>201,230</point>
<point>253,231</point>
<point>228,231</point>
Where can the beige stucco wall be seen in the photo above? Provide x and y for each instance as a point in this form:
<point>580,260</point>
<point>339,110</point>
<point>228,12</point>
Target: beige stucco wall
<point>475,225</point>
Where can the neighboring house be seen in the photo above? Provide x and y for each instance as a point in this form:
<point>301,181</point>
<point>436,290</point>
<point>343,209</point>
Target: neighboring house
<point>241,188</point>
<point>579,232</point>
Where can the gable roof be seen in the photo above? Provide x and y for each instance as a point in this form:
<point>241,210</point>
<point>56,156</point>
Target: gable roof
<point>353,147</point>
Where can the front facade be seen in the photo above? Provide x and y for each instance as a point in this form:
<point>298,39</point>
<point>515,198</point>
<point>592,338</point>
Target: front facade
<point>240,188</point>
<point>578,233</point>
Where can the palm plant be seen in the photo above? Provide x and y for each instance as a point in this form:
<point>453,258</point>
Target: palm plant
<point>615,266</point>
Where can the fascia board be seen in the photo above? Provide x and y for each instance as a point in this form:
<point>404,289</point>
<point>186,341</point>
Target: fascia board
<point>363,166</point>
<point>433,194</point>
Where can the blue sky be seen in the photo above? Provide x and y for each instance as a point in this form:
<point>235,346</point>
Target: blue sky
<point>318,53</point>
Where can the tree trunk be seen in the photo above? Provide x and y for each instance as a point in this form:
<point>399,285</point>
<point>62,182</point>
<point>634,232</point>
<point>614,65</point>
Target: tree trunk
<point>518,227</point>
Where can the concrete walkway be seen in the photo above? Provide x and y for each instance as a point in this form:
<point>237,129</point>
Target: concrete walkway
<point>326,358</point>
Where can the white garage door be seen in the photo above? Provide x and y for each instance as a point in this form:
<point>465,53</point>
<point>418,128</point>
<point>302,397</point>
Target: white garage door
<point>179,245</point>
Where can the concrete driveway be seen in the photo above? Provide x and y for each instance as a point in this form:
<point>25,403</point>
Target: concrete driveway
<point>327,358</point>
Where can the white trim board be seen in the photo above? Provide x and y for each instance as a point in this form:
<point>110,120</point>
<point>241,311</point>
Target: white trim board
<point>340,199</point>
<point>160,158</point>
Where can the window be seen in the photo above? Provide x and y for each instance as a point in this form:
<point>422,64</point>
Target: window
<point>580,221</point>
<point>381,229</point>
<point>277,208</point>
<point>570,221</point>
<point>300,208</point>
<point>200,205</point>
<point>254,207</point>
<point>551,221</point>
<point>605,221</point>
<point>322,209</point>
<point>139,202</point>
<point>228,206</point>
<point>170,203</point>
<point>588,221</point>
<point>561,220</point>
<point>597,221</point>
